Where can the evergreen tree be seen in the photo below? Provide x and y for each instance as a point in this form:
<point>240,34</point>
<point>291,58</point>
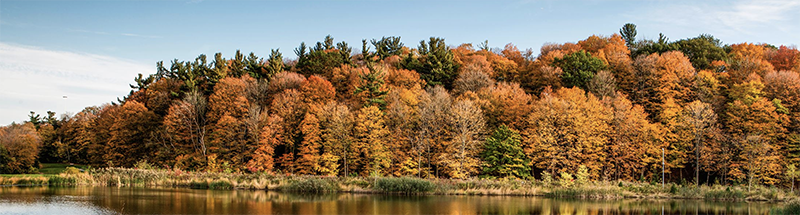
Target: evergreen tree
<point>372,86</point>
<point>435,63</point>
<point>702,50</point>
<point>579,68</point>
<point>503,155</point>
<point>387,46</point>
<point>628,32</point>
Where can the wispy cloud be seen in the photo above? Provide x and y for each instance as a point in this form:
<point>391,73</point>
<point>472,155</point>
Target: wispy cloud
<point>36,79</point>
<point>124,34</point>
<point>139,35</point>
<point>744,14</point>
<point>727,17</point>
<point>115,34</point>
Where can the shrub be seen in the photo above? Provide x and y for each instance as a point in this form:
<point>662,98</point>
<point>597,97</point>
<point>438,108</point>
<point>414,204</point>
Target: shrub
<point>72,170</point>
<point>358,182</point>
<point>58,180</point>
<point>143,164</point>
<point>311,185</point>
<point>547,179</point>
<point>198,185</point>
<point>582,177</point>
<point>791,207</point>
<point>403,185</point>
<point>566,180</point>
<point>726,194</point>
<point>28,181</point>
<point>673,189</point>
<point>220,184</point>
<point>586,192</point>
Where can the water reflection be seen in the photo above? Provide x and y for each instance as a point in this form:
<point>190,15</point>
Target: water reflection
<point>109,200</point>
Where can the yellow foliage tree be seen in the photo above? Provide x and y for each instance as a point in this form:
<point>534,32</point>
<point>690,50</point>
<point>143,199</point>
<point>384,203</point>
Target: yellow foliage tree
<point>567,129</point>
<point>370,134</point>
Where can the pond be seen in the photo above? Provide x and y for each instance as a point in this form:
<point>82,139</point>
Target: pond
<point>114,200</point>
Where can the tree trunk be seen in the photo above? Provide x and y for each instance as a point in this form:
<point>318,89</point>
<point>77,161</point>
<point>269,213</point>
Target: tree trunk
<point>697,162</point>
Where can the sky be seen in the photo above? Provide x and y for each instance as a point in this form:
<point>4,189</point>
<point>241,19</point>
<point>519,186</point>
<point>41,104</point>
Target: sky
<point>65,55</point>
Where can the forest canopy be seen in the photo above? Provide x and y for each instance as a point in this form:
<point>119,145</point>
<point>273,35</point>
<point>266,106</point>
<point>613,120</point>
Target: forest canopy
<point>609,104</point>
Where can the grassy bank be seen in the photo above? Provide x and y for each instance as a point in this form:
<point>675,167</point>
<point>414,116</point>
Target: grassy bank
<point>58,168</point>
<point>404,185</point>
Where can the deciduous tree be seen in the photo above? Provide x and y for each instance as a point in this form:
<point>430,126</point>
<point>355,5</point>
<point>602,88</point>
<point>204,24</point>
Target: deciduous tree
<point>370,141</point>
<point>461,156</point>
<point>19,148</point>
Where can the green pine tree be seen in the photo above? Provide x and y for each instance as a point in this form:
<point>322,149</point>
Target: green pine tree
<point>503,155</point>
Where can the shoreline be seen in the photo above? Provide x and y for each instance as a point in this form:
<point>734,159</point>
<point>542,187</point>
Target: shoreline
<point>598,190</point>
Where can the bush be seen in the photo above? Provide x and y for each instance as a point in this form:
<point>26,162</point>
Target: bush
<point>673,189</point>
<point>404,185</point>
<point>220,184</point>
<point>566,180</point>
<point>586,192</point>
<point>547,178</point>
<point>582,177</point>
<point>198,185</point>
<point>791,207</point>
<point>29,181</point>
<point>72,170</point>
<point>726,194</point>
<point>143,164</point>
<point>311,185</point>
<point>58,180</point>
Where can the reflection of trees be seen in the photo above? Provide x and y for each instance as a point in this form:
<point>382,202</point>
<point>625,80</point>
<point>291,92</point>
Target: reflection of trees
<point>187,201</point>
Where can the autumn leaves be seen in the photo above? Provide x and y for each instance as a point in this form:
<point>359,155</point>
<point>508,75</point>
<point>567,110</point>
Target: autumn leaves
<point>725,113</point>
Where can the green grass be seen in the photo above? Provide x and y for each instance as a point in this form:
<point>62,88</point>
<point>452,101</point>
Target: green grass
<point>57,168</point>
<point>220,184</point>
<point>58,180</point>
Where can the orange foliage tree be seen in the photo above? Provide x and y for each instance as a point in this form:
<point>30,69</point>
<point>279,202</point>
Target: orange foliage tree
<point>19,148</point>
<point>507,104</point>
<point>129,139</point>
<point>568,128</point>
<point>785,58</point>
<point>634,142</point>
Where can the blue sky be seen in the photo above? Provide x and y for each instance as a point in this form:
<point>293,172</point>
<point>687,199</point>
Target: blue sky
<point>90,51</point>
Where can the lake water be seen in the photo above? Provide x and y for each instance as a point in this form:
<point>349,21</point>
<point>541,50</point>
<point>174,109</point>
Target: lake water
<point>113,200</point>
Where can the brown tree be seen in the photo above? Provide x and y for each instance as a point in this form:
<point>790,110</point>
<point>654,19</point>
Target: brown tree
<point>22,144</point>
<point>186,121</point>
<point>433,109</point>
<point>461,157</point>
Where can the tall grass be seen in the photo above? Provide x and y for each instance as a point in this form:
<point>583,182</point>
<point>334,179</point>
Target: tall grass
<point>791,207</point>
<point>59,180</point>
<point>588,191</point>
<point>311,185</point>
<point>405,185</point>
<point>562,188</point>
<point>220,184</point>
<point>23,180</point>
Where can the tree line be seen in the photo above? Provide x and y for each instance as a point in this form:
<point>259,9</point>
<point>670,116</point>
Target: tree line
<point>612,105</point>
